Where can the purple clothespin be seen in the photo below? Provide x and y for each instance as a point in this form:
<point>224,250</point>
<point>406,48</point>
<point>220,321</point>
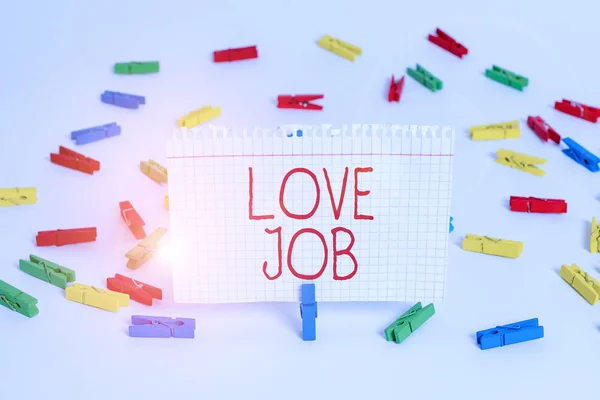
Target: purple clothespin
<point>162,327</point>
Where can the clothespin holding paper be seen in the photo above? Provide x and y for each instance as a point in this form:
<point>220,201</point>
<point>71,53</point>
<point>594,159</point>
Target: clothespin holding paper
<point>501,130</point>
<point>425,78</point>
<point>18,301</point>
<point>408,322</point>
<point>522,162</point>
<point>507,77</point>
<point>595,237</point>
<point>17,196</point>
<point>154,171</point>
<point>585,285</point>
<point>47,271</point>
<point>492,246</point>
<point>505,335</point>
<point>166,202</point>
<point>308,312</point>
<point>340,48</point>
<point>145,249</point>
<point>96,297</point>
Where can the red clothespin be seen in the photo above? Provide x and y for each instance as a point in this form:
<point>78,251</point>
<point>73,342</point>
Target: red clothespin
<point>395,90</point>
<point>447,43</point>
<point>132,219</point>
<point>70,159</point>
<point>301,102</point>
<point>578,110</point>
<point>137,291</point>
<point>535,205</point>
<point>242,53</point>
<point>542,129</point>
<point>61,237</point>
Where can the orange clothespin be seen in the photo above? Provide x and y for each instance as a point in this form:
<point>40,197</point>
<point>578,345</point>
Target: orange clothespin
<point>395,90</point>
<point>132,219</point>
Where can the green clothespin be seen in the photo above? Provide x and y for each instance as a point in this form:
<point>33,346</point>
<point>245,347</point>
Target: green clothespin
<point>13,298</point>
<point>47,271</point>
<point>148,67</point>
<point>425,78</point>
<point>408,322</point>
<point>507,78</point>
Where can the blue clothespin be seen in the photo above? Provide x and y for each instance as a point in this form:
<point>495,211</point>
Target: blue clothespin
<point>451,226</point>
<point>122,99</point>
<point>510,334</point>
<point>581,156</point>
<point>308,312</point>
<point>96,133</point>
<point>299,133</point>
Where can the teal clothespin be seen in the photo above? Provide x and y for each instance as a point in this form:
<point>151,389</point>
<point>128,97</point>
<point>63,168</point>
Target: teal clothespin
<point>451,226</point>
<point>16,300</point>
<point>47,271</point>
<point>425,78</point>
<point>507,78</point>
<point>408,322</point>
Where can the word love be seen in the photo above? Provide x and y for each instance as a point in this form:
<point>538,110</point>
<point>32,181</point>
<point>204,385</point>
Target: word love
<point>336,207</point>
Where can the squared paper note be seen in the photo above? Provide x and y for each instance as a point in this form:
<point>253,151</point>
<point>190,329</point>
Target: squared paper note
<point>362,211</point>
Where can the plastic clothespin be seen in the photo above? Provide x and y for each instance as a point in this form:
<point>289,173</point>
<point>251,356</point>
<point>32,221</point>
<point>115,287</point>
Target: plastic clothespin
<point>137,67</point>
<point>70,159</point>
<point>510,334</point>
<point>492,246</point>
<point>145,249</point>
<point>585,285</point>
<point>522,162</point>
<point>132,219</point>
<point>451,226</point>
<point>17,196</point>
<point>536,205</point>
<point>89,135</point>
<point>61,237</point>
<point>408,322</point>
<point>199,116</point>
<point>96,297</point>
<point>542,129</point>
<point>342,49</point>
<point>18,301</point>
<point>122,99</point>
<point>594,237</point>
<point>308,312</point>
<point>47,271</point>
<point>154,171</point>
<point>241,53</point>
<point>395,92</point>
<point>447,43</point>
<point>580,155</point>
<point>575,109</point>
<point>507,77</point>
<point>162,327</point>
<point>300,102</point>
<point>501,130</point>
<point>137,291</point>
<point>425,78</point>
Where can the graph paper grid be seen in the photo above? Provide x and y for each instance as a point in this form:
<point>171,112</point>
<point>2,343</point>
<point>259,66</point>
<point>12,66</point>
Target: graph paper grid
<point>402,253</point>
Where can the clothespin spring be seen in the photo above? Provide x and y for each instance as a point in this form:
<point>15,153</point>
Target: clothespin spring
<point>16,203</point>
<point>9,303</point>
<point>170,327</point>
<point>124,213</point>
<point>575,104</point>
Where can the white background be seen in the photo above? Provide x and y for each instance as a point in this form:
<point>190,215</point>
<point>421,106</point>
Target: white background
<point>57,60</point>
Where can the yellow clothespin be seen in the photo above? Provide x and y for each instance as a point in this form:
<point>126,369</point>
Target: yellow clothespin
<point>595,237</point>
<point>154,171</point>
<point>502,130</point>
<point>492,246</point>
<point>145,249</point>
<point>199,116</point>
<point>519,161</point>
<point>342,49</point>
<point>17,196</point>
<point>585,285</point>
<point>96,297</point>
<point>166,201</point>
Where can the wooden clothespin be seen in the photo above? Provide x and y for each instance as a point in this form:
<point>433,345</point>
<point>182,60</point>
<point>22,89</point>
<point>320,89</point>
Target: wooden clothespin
<point>585,285</point>
<point>542,129</point>
<point>504,335</point>
<point>137,291</point>
<point>18,301</point>
<point>507,77</point>
<point>17,196</point>
<point>575,109</point>
<point>501,130</point>
<point>581,156</point>
<point>522,162</point>
<point>241,53</point>
<point>492,246</point>
<point>145,249</point>
<point>162,327</point>
<point>154,171</point>
<point>47,271</point>
<point>342,49</point>
<point>595,237</point>
<point>425,78</point>
<point>199,116</point>
<point>73,160</point>
<point>166,202</point>
<point>395,92</point>
<point>447,43</point>
<point>61,237</point>
<point>132,219</point>
<point>299,102</point>
<point>96,297</point>
<point>535,205</point>
<point>408,322</point>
